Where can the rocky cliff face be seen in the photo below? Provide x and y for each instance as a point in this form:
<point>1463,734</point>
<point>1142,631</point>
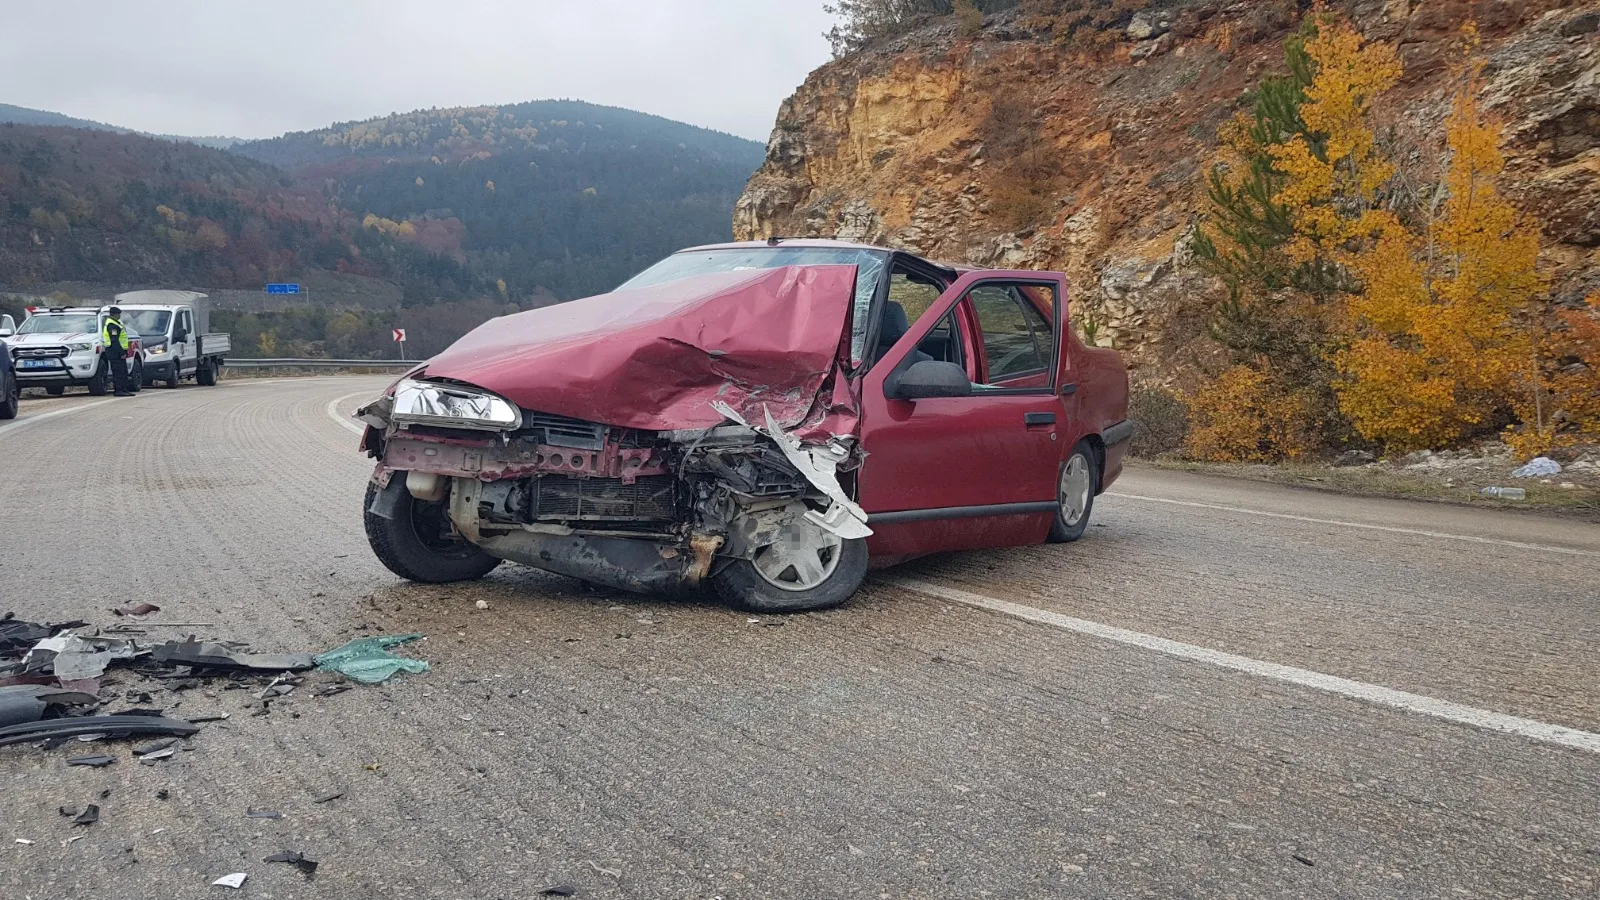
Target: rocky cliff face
<point>1007,149</point>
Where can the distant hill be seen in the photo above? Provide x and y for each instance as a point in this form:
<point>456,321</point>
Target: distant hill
<point>551,196</point>
<point>88,205</point>
<point>21,115</point>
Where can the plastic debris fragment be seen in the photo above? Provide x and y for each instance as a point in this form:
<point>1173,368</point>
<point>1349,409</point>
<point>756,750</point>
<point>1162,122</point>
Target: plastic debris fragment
<point>236,880</point>
<point>307,867</point>
<point>369,661</point>
<point>1537,467</point>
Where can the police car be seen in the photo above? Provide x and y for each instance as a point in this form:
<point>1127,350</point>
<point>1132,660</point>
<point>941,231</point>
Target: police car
<point>59,347</point>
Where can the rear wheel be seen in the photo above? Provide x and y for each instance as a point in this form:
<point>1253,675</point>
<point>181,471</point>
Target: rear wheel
<point>99,384</point>
<point>420,544</point>
<point>1075,495</point>
<point>808,568</point>
<point>10,396</point>
<point>205,373</point>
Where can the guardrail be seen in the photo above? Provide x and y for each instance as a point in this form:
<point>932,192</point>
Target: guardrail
<point>238,363</point>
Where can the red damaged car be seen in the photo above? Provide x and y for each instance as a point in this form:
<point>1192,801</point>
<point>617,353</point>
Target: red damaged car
<point>770,418</point>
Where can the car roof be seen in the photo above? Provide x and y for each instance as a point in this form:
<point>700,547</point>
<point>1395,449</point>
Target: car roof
<point>826,243</point>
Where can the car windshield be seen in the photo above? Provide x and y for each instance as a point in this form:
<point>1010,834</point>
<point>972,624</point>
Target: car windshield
<point>147,321</point>
<point>869,263</point>
<point>70,323</point>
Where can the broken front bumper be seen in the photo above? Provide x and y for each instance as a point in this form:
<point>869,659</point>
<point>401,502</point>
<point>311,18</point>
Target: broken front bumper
<point>640,511</point>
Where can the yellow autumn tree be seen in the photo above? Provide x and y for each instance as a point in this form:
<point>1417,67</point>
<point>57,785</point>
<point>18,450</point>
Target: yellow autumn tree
<point>1438,351</point>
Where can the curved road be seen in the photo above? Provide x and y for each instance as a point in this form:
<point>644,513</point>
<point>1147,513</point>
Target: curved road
<point>1228,689</point>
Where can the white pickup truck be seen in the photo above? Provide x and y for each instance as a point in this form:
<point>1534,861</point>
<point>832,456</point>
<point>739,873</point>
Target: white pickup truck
<point>175,344</point>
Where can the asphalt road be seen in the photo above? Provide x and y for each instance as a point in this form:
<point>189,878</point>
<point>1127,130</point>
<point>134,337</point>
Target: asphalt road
<point>909,744</point>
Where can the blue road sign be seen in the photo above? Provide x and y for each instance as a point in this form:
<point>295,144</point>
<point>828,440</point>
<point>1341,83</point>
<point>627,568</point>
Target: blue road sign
<point>283,288</point>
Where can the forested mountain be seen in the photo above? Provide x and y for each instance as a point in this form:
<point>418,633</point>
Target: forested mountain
<point>548,197</point>
<point>22,115</point>
<point>105,207</point>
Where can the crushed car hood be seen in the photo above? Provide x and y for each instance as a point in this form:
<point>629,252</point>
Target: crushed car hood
<point>657,358</point>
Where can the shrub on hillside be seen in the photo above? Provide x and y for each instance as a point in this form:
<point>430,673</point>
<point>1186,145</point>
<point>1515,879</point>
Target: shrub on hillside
<point>1160,421</point>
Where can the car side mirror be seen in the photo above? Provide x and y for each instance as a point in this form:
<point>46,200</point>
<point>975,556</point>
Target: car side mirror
<point>929,378</point>
<point>6,332</point>
<point>179,335</point>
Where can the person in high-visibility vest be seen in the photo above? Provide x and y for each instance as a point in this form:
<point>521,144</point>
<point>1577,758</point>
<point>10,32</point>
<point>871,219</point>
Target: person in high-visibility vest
<point>114,340</point>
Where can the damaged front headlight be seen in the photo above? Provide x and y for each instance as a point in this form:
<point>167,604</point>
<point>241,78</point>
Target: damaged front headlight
<point>449,405</point>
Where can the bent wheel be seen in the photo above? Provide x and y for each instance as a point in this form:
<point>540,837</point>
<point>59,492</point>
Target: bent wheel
<point>420,544</point>
<point>806,568</point>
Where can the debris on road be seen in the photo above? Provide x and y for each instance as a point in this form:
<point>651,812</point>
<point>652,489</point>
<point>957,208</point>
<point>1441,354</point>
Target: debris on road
<point>307,867</point>
<point>221,655</point>
<point>89,816</point>
<point>151,759</point>
<point>1537,467</point>
<point>1504,493</point>
<point>235,881</point>
<point>557,890</point>
<point>20,703</point>
<point>154,746</point>
<point>612,873</point>
<point>369,661</point>
<point>482,604</point>
<point>136,609</point>
<point>108,725</point>
<point>24,841</point>
<point>96,761</point>
<point>329,797</point>
<point>250,813</point>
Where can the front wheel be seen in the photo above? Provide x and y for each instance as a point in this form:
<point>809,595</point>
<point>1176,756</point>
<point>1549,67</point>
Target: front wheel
<point>420,544</point>
<point>100,383</point>
<point>808,568</point>
<point>1075,495</point>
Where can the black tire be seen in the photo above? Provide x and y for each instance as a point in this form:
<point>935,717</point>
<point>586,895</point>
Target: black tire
<point>10,396</point>
<point>136,380</point>
<point>205,373</point>
<point>55,390</point>
<point>740,584</point>
<point>420,545</point>
<point>1082,464</point>
<point>173,376</point>
<point>100,382</point>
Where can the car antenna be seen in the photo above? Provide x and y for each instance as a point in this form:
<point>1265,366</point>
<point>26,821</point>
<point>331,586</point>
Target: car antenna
<point>774,241</point>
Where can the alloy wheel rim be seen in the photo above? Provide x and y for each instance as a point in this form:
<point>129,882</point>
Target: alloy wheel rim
<point>804,557</point>
<point>1075,489</point>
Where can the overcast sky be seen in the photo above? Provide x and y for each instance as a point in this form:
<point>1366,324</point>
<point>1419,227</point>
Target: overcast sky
<point>258,68</point>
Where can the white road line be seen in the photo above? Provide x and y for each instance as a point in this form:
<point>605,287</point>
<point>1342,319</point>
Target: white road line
<point>1344,687</point>
<point>14,427</point>
<point>1444,535</point>
<point>343,420</point>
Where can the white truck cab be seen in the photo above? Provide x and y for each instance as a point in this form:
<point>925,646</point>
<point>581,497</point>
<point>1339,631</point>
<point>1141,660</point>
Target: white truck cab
<point>59,347</point>
<point>175,343</point>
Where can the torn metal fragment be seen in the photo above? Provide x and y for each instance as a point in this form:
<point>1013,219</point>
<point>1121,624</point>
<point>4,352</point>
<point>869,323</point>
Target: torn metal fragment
<point>149,759</point>
<point>307,867</point>
<point>217,655</point>
<point>96,761</point>
<point>31,702</point>
<point>153,746</point>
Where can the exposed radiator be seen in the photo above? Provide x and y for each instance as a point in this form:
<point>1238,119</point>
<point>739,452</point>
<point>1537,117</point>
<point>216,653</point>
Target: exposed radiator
<point>559,497</point>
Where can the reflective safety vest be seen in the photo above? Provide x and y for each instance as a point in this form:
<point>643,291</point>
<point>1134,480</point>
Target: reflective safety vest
<point>113,336</point>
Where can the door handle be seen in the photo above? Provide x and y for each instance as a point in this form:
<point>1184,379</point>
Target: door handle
<point>1038,418</point>
<point>1068,389</point>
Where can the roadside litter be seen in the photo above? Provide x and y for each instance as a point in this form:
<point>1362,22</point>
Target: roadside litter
<point>235,881</point>
<point>1537,467</point>
<point>1504,493</point>
<point>369,661</point>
